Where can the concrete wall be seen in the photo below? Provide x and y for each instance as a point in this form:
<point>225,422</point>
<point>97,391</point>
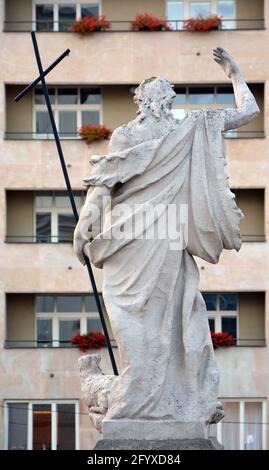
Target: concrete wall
<point>252,317</point>
<point>126,10</point>
<point>18,115</point>
<point>118,106</point>
<point>20,319</point>
<point>20,215</point>
<point>247,9</point>
<point>18,10</point>
<point>251,202</point>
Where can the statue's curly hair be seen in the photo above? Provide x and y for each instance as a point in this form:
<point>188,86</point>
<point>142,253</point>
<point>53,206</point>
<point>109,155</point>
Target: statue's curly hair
<point>154,95</point>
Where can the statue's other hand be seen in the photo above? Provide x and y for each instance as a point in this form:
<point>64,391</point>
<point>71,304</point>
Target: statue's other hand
<point>78,244</point>
<point>226,61</point>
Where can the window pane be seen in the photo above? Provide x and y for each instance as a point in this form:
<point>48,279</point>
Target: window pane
<point>211,322</point>
<point>200,8</point>
<point>210,301</point>
<point>66,227</point>
<point>175,11</point>
<point>43,125</point>
<point>40,98</point>
<point>41,427</point>
<point>66,427</point>
<point>253,426</point>
<point>228,301</point>
<point>43,199</point>
<point>43,227</point>
<point>17,426</point>
<point>44,303</point>
<point>69,303</point>
<point>67,95</point>
<point>90,95</point>
<point>90,303</point>
<point>229,324</point>
<point>226,9</point>
<point>62,199</point>
<point>225,95</point>
<point>44,17</point>
<point>201,95</point>
<point>44,331</point>
<point>90,117</point>
<point>94,324</point>
<point>67,14</point>
<point>230,426</point>
<point>180,95</point>
<point>89,9</point>
<point>68,123</point>
<point>67,330</point>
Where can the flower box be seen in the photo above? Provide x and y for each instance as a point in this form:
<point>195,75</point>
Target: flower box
<point>149,22</point>
<point>90,24</point>
<point>92,340</point>
<point>222,340</point>
<point>94,132</point>
<point>201,23</point>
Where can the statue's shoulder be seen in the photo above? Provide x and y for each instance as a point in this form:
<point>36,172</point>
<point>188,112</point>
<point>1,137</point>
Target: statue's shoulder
<point>122,137</point>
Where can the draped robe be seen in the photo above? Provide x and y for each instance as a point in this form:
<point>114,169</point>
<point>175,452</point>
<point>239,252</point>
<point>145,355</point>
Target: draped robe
<point>151,292</point>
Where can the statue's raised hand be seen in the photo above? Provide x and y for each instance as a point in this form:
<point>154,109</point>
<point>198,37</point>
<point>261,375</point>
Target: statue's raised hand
<point>226,61</point>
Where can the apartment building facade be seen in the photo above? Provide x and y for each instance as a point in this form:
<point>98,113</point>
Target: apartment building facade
<point>45,295</point>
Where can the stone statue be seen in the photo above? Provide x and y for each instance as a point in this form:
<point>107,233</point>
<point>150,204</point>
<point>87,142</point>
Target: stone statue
<point>168,374</point>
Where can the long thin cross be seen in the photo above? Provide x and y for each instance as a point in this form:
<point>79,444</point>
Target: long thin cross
<point>41,78</point>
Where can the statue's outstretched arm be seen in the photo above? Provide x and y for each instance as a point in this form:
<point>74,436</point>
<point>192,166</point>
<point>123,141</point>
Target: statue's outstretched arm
<point>90,215</point>
<point>247,108</point>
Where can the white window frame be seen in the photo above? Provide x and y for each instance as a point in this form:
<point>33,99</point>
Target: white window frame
<point>218,314</point>
<point>53,404</point>
<point>56,316</point>
<point>242,402</point>
<point>187,10</point>
<point>56,108</point>
<point>55,4</point>
<point>55,212</point>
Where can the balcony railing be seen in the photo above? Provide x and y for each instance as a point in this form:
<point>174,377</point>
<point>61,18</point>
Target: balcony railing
<point>24,344</point>
<point>34,344</point>
<point>238,134</point>
<point>124,25</point>
<point>38,239</point>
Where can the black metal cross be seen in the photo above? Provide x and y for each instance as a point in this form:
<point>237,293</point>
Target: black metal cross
<point>41,78</point>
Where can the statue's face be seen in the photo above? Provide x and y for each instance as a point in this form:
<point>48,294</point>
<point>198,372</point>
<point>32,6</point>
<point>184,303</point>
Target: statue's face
<point>155,89</point>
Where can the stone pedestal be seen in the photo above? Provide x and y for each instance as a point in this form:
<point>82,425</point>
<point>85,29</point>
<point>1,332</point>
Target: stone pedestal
<point>152,429</point>
<point>124,434</point>
<point>166,444</point>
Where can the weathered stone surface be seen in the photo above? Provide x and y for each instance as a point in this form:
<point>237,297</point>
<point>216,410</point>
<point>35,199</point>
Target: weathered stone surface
<point>167,444</point>
<point>151,284</point>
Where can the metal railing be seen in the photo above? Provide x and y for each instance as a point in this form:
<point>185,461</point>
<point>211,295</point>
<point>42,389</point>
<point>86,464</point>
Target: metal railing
<point>56,344</point>
<point>237,134</point>
<point>38,239</point>
<point>231,24</point>
<point>40,135</point>
<point>34,344</point>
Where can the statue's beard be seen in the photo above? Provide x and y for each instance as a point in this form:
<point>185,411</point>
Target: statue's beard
<point>154,110</point>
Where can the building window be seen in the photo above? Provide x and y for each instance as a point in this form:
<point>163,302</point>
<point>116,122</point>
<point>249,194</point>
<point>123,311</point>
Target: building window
<point>60,317</point>
<point>54,220</point>
<point>72,107</point>
<point>42,425</point>
<point>244,425</point>
<point>179,10</point>
<point>59,15</point>
<point>222,311</point>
